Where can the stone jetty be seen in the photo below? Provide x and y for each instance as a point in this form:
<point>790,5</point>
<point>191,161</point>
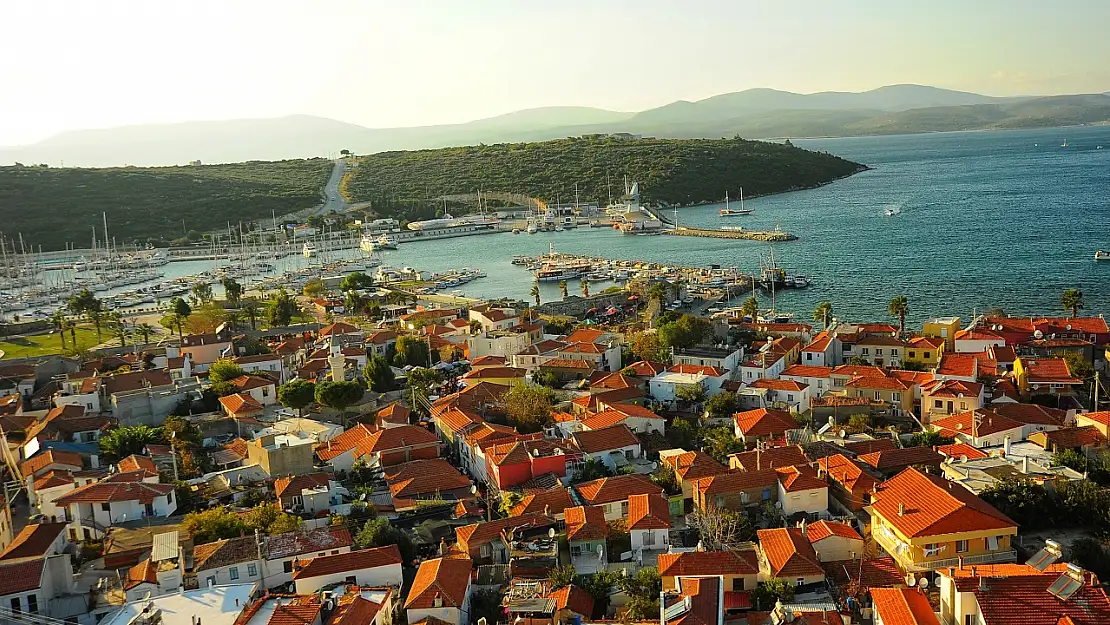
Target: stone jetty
<point>774,236</point>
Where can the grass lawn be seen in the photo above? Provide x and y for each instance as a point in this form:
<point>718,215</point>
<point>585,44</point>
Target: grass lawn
<point>44,344</point>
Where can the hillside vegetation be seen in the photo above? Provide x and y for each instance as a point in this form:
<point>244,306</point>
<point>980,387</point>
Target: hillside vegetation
<point>55,206</point>
<point>669,171</point>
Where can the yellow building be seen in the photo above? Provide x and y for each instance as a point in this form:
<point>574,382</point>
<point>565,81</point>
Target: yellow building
<point>882,390</point>
<point>926,350</point>
<point>928,523</point>
<point>281,454</point>
<point>943,327</point>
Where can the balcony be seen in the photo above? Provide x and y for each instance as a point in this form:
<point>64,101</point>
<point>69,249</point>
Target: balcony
<point>901,552</point>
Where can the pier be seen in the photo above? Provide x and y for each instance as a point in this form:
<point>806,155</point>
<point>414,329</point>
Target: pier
<point>775,236</point>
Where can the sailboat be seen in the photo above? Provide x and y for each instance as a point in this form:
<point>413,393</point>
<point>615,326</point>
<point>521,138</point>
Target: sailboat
<point>1065,144</point>
<point>732,212</point>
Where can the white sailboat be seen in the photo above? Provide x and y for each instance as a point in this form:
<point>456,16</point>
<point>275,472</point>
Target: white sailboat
<point>732,212</point>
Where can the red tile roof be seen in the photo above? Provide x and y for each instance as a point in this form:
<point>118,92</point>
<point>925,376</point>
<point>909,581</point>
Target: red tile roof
<point>694,464</point>
<point>919,378</point>
<point>736,482</point>
<point>33,540</point>
<point>1031,414</point>
<point>799,478</point>
<point>956,450</point>
<point>823,529</point>
<point>807,371</point>
<point>240,403</point>
<point>895,458</point>
<point>704,598</point>
<point>770,458</point>
<point>574,599</point>
<point>110,491</point>
<point>397,438</point>
<point>1049,371</point>
<point>869,445</point>
<point>820,343</point>
<point>712,372</point>
<point>301,542</point>
<point>357,610</point>
<point>883,382</point>
<point>552,501</point>
<point>857,371</point>
<point>934,506</point>
<point>584,335</point>
<point>613,381</point>
<point>471,537</point>
<point>351,561</point>
<point>648,512</point>
<point>605,439</point>
<point>338,328</point>
<point>847,472</point>
<point>53,479</point>
<point>142,573</point>
<point>135,463</point>
<point>298,483</point>
<point>779,385</point>
<point>788,553</point>
<point>926,342</point>
<point>493,373</point>
<point>976,423</point>
<point>420,477</point>
<point>344,442</point>
<point>19,576</point>
<point>1017,594</point>
<point>1073,438</point>
<point>43,459</point>
<point>870,573</point>
<point>646,369</point>
<point>619,488</point>
<point>903,606</point>
<point>764,422</point>
<point>586,523</point>
<point>964,365</point>
<point>566,363</point>
<point>708,563</point>
<point>953,388</point>
<point>394,413</point>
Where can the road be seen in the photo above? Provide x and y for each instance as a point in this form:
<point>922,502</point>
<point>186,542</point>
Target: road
<point>333,200</point>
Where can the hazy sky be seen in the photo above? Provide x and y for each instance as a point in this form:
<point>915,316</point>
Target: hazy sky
<point>79,64</point>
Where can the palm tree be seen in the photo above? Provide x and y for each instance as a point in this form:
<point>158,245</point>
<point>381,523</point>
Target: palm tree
<point>202,292</point>
<point>119,326</point>
<point>95,316</point>
<point>145,330</point>
<point>251,308</point>
<point>535,293</point>
<point>563,288</point>
<point>823,313</point>
<point>899,307</point>
<point>585,287</point>
<point>58,320</point>
<point>233,291</point>
<point>657,292</point>
<point>750,307</point>
<point>1072,300</point>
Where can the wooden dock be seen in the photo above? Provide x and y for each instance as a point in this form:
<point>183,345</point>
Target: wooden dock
<point>774,236</point>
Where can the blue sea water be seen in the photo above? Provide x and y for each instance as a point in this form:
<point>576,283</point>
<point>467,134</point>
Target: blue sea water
<point>1006,218</point>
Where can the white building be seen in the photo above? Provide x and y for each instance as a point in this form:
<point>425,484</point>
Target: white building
<point>649,522</point>
<point>818,378</point>
<point>441,590</point>
<point>380,566</point>
<point>116,499</point>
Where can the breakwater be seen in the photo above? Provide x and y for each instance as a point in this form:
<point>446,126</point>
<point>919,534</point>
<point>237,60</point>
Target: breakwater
<point>774,236</point>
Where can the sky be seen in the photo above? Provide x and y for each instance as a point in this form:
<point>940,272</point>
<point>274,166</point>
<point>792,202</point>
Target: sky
<point>70,64</point>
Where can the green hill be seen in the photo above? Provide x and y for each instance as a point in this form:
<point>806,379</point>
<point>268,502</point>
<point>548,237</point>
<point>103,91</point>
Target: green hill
<point>669,171</point>
<point>55,206</point>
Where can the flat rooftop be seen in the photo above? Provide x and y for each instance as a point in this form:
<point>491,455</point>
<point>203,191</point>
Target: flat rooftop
<point>218,605</point>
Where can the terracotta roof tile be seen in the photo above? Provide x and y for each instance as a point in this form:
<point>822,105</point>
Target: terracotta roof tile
<point>353,609</point>
<point>343,443</point>
<point>976,423</point>
<point>605,439</point>
<point>586,523</point>
<point>19,576</point>
<point>709,563</point>
<point>882,382</point>
<point>903,606</point>
<point>789,553</point>
<point>857,371</point>
<point>574,599</point>
<point>847,472</point>
<point>473,536</point>
<point>33,540</point>
<point>394,413</point>
<point>619,488</point>
<point>552,502</point>
<point>240,403</point>
<point>224,552</point>
<point>955,450</point>
<point>764,422</point>
<point>868,445</point>
<point>53,479</point>
<point>807,371</point>
<point>648,512</point>
<point>694,464</point>
<point>104,492</point>
<point>135,463</point>
<point>1031,414</point>
<point>1018,595</point>
<point>1073,438</point>
<point>712,372</point>
<point>423,477</point>
<point>646,369</point>
<point>43,459</point>
<point>822,529</point>
<point>771,458</point>
<point>301,542</point>
<point>934,506</point>
<point>298,483</point>
<point>142,573</point>
<point>799,478</point>
<point>736,482</point>
<point>350,561</point>
<point>895,458</point>
<point>779,385</point>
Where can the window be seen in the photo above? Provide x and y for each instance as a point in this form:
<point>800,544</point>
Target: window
<point>287,566</point>
<point>937,403</point>
<point>961,546</point>
<point>878,351</point>
<point>911,353</point>
<point>149,509</point>
<point>575,550</point>
<point>624,508</point>
<point>878,395</point>
<point>33,604</point>
<point>334,552</point>
<point>252,570</point>
<point>993,542</point>
<point>963,405</point>
<point>737,584</point>
<point>896,396</point>
<point>15,605</point>
<point>789,397</point>
<point>630,454</point>
<point>234,572</point>
<point>820,384</point>
<point>350,579</point>
<point>865,351</point>
<point>104,507</point>
<point>926,355</point>
<point>484,551</point>
<point>801,581</point>
<point>766,494</point>
<point>649,538</point>
<point>930,548</point>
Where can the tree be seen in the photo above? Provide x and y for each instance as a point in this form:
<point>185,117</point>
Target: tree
<point>270,519</point>
<point>750,308</point>
<point>85,303</point>
<point>1080,368</point>
<point>859,361</point>
<point>721,406</point>
<point>356,281</point>
<point>721,529</point>
<point>282,309</point>
<point>657,292</point>
<point>931,438</point>
<point>823,313</point>
<point>693,394</point>
<point>411,350</point>
<point>125,441</point>
<point>561,576</point>
<point>379,533</point>
<point>379,375</point>
<point>58,321</point>
<point>1070,458</point>
<point>665,478</point>
<point>314,288</point>
<point>546,378</point>
<point>600,587</point>
<point>145,330</point>
<point>914,365</point>
<point>296,394</point>
<point>1072,300</point>
<point>1091,554</point>
<point>721,442</point>
<point>119,326</point>
<point>224,370</point>
<point>251,308</point>
<point>683,433</point>
<point>899,306</point>
<point>563,288</point>
<point>485,604</point>
<point>223,388</point>
<point>529,406</point>
<point>535,293</point>
<point>687,331</point>
<point>180,310</point>
<point>592,469</point>
<point>585,287</point>
<point>339,395</point>
<point>767,594</point>
<point>213,524</point>
<point>201,292</point>
<point>354,302</point>
<point>859,422</point>
<point>643,590</point>
<point>1024,501</point>
<point>648,346</point>
<point>233,291</point>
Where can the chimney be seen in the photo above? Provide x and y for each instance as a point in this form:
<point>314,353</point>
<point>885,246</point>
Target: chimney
<point>758,463</point>
<point>960,563</point>
<point>901,509</point>
<point>437,601</point>
<point>1006,445</point>
<point>1025,464</point>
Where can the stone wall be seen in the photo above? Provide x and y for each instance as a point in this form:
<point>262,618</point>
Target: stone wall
<point>576,306</point>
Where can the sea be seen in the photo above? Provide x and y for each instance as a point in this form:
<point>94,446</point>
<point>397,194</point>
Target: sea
<point>998,219</point>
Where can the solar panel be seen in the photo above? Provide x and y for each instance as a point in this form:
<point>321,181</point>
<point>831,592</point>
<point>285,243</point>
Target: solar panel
<point>1065,586</point>
<point>1042,560</point>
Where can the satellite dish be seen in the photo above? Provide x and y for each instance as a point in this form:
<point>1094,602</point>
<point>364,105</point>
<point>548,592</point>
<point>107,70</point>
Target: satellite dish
<point>923,583</point>
<point>551,533</point>
<point>654,466</point>
<point>911,580</point>
<point>600,549</point>
<point>843,434</point>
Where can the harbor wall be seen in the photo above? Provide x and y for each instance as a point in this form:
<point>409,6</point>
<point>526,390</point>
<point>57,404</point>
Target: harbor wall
<point>576,306</point>
<point>751,235</point>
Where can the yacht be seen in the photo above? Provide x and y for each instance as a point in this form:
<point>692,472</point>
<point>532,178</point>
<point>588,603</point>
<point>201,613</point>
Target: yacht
<point>309,249</point>
<point>733,212</point>
<point>366,243</point>
<point>890,212</point>
<point>1102,255</point>
<point>386,242</point>
<point>533,229</point>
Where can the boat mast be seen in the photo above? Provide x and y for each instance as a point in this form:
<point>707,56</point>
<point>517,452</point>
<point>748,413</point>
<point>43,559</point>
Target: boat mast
<point>741,199</point>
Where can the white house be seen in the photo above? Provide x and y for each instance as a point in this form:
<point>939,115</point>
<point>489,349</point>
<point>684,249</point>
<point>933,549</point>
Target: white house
<point>282,550</point>
<point>263,390</point>
<point>268,561</point>
<point>494,319</point>
<point>614,446</point>
<point>637,418</point>
<point>765,364</point>
<point>833,541</point>
<point>266,363</point>
<point>116,499</point>
<point>380,566</point>
<point>649,522</point>
<point>441,589</point>
<point>791,394</point>
<point>31,584</point>
<point>665,386</point>
<point>722,359</point>
<point>822,351</point>
<point>801,491</point>
<point>817,377</point>
<point>228,561</point>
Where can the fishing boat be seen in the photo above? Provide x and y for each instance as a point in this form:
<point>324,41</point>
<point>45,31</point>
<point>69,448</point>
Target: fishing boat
<point>1102,255</point>
<point>890,212</point>
<point>309,249</point>
<point>734,212</point>
<point>533,229</point>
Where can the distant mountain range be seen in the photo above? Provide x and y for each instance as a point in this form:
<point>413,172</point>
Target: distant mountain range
<point>752,114</point>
